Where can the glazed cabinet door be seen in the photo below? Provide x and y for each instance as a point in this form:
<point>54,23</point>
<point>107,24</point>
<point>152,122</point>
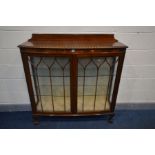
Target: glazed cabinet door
<point>51,83</point>
<point>96,79</point>
<point>73,83</point>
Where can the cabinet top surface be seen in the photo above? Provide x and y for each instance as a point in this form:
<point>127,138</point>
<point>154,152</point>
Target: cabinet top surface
<point>72,41</point>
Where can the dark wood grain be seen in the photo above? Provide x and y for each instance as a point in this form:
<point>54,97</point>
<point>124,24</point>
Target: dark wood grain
<point>72,41</point>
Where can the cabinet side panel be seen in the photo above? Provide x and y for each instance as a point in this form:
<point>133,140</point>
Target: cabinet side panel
<point>28,80</point>
<point>117,80</point>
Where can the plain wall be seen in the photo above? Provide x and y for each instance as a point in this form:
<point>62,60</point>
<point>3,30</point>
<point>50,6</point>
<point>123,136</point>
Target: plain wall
<point>138,76</point>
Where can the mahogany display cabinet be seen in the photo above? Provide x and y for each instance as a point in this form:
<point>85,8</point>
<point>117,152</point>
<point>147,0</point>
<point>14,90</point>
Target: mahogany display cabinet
<point>72,74</point>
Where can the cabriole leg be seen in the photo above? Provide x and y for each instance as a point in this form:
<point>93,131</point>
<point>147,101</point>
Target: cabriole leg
<point>35,120</point>
<point>110,118</point>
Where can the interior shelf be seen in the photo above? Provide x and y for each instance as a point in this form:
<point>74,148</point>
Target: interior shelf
<point>45,105</point>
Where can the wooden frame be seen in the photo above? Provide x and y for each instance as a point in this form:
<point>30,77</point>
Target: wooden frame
<point>74,54</point>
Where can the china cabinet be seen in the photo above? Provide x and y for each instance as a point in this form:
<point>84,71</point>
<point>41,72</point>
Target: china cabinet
<point>72,74</point>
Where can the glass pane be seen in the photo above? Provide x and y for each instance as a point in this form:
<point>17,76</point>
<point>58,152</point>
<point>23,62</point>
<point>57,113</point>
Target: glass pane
<point>51,83</point>
<point>95,83</point>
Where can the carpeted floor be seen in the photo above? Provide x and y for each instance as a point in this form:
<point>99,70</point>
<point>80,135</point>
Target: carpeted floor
<point>124,119</point>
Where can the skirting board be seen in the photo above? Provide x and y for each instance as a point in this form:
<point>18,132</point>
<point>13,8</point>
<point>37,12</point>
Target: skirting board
<point>120,106</point>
